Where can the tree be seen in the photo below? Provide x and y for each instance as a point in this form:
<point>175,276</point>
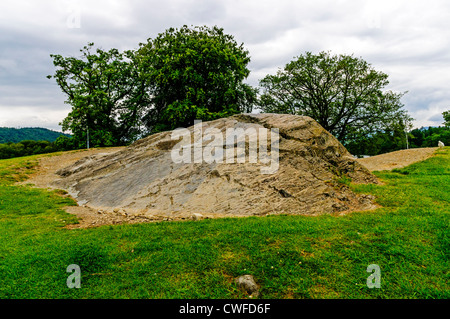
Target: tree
<point>9,134</point>
<point>107,92</point>
<point>430,136</point>
<point>446,116</point>
<point>343,93</point>
<point>391,139</point>
<point>194,73</point>
<point>26,147</point>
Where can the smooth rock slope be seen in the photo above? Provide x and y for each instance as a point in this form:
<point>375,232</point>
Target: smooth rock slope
<point>145,179</point>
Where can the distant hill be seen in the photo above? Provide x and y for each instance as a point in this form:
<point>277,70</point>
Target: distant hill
<point>14,135</point>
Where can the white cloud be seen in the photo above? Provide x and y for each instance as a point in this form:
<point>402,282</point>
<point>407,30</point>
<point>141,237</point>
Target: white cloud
<point>26,116</point>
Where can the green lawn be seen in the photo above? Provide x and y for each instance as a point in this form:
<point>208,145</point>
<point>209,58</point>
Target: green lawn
<point>289,256</point>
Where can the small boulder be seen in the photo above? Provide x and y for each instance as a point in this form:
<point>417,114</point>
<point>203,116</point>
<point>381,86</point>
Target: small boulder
<point>247,283</point>
<point>197,216</point>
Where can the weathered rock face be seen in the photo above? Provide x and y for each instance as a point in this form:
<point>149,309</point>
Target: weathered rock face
<point>145,178</point>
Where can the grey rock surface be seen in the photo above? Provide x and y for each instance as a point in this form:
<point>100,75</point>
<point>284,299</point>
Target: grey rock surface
<point>143,178</point>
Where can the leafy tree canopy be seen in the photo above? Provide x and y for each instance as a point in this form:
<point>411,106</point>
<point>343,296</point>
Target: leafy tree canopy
<point>107,94</point>
<point>446,116</point>
<point>14,135</point>
<point>194,73</point>
<point>181,75</point>
<point>343,93</point>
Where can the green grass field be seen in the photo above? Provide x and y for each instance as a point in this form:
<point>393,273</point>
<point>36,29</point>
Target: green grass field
<point>289,256</point>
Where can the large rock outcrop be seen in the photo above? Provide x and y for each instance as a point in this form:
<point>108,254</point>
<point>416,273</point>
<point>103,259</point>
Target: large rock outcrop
<point>144,179</point>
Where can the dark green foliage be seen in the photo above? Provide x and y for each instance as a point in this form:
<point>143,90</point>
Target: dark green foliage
<point>430,136</point>
<point>195,73</point>
<point>395,139</point>
<point>31,147</point>
<point>107,94</point>
<point>342,93</point>
<point>391,139</point>
<point>64,143</point>
<point>181,75</point>
<point>14,135</point>
<point>25,148</point>
<point>446,116</point>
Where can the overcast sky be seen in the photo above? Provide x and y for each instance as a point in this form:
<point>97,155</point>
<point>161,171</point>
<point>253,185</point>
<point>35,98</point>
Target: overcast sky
<point>407,39</point>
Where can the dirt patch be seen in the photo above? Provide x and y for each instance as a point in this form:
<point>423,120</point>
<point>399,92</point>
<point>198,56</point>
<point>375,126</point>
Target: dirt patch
<point>45,175</point>
<point>397,159</point>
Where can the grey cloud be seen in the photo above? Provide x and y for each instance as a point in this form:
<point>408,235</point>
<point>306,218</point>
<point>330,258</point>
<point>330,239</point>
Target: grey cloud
<point>409,40</point>
<point>438,118</point>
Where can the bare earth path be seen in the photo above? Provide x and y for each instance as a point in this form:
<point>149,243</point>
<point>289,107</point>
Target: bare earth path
<point>46,174</point>
<point>397,159</point>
